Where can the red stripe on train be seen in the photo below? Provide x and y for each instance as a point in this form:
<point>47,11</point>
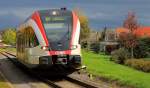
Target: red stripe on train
<point>75,20</point>
<point>60,52</point>
<point>36,18</point>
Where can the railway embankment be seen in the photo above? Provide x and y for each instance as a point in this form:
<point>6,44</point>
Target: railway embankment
<point>109,74</point>
<point>66,82</point>
<point>82,77</point>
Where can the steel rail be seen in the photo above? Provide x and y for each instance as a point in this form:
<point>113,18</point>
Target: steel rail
<point>79,82</point>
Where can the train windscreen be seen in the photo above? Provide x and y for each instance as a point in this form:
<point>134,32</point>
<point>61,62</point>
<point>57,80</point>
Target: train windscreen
<point>58,30</point>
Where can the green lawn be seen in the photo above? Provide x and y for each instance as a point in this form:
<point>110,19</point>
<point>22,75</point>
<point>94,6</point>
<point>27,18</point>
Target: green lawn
<point>100,65</point>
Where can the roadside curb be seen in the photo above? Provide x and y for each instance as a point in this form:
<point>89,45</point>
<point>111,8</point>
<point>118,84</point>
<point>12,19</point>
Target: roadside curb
<point>7,82</point>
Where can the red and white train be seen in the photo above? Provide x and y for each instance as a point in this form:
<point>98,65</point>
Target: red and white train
<point>49,38</point>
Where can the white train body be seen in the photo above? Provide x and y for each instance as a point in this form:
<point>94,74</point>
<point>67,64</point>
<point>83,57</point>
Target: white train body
<point>48,38</point>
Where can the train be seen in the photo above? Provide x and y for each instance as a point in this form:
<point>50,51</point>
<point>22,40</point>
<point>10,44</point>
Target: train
<point>48,39</point>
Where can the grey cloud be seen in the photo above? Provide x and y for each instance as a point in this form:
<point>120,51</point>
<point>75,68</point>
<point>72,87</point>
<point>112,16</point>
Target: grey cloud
<point>99,12</point>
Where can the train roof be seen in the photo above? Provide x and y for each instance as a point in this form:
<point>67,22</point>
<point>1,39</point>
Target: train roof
<point>51,12</point>
<point>48,12</point>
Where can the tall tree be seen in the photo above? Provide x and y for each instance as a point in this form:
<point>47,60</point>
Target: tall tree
<point>131,24</point>
<point>103,34</point>
<point>84,23</point>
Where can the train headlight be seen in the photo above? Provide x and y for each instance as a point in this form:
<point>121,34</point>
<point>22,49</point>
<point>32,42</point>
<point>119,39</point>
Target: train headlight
<point>54,12</point>
<point>44,48</point>
<point>74,47</point>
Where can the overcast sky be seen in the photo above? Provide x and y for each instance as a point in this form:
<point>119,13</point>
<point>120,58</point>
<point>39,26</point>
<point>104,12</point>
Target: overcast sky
<point>101,13</point>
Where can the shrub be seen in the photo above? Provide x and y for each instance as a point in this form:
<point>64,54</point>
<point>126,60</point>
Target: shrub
<point>143,48</point>
<point>120,55</point>
<point>95,47</point>
<point>140,64</point>
<point>84,44</point>
<point>9,36</point>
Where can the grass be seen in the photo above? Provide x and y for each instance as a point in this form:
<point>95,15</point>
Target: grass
<point>8,49</point>
<point>3,83</point>
<point>101,66</point>
<point>147,58</point>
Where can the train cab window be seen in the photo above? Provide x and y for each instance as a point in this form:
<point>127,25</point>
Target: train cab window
<point>31,39</point>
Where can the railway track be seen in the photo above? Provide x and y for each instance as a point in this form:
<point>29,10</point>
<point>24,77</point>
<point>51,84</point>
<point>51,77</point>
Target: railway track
<point>65,80</point>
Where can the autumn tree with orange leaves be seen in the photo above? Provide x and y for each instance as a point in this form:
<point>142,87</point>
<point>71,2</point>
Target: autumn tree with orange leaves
<point>129,40</point>
<point>85,29</point>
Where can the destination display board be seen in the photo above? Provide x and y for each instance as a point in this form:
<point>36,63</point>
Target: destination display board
<point>51,19</point>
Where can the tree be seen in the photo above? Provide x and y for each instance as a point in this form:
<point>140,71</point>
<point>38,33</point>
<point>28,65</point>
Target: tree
<point>84,23</point>
<point>9,36</point>
<point>142,50</point>
<point>131,24</point>
<point>103,34</point>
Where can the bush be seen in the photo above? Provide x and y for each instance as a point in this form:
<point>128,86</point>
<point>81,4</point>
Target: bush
<point>9,36</point>
<point>120,55</point>
<point>140,64</point>
<point>84,44</point>
<point>95,47</point>
<point>142,50</point>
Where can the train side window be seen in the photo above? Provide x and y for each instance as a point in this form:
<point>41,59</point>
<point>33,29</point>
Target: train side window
<point>18,41</point>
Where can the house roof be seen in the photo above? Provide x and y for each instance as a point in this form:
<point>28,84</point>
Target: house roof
<point>143,31</point>
<point>140,32</point>
<point>120,30</point>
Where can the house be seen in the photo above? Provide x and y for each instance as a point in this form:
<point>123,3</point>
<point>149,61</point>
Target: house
<point>143,32</point>
<point>111,36</point>
<point>94,36</point>
<point>110,42</point>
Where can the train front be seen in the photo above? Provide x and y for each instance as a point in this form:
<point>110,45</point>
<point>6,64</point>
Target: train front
<point>62,30</point>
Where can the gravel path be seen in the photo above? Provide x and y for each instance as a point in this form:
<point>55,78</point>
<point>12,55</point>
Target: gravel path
<point>16,77</point>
